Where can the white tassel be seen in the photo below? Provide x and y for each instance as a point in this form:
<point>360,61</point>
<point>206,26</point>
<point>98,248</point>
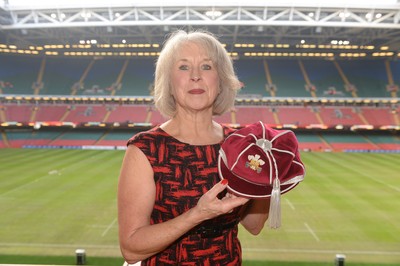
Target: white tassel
<point>275,205</point>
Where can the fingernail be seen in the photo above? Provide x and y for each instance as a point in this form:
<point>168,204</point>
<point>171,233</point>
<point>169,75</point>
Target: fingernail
<point>224,181</point>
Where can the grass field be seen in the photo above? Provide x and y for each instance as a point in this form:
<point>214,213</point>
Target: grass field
<point>55,201</point>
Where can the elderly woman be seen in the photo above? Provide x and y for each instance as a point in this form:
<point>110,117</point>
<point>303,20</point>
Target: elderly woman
<point>172,207</point>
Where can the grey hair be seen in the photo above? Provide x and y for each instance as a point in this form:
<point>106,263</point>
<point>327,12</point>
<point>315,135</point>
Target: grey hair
<point>229,83</point>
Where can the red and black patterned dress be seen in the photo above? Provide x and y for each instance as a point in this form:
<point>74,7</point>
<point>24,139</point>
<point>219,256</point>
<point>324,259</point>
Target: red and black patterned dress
<point>182,174</point>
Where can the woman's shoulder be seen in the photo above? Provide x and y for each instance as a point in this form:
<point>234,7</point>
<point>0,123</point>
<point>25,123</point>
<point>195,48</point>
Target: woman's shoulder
<point>147,135</point>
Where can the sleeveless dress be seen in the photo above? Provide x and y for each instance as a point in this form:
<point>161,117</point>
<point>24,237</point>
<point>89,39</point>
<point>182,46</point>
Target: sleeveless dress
<point>182,174</point>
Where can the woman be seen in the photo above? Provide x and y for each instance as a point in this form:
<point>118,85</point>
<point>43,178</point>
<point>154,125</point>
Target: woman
<point>172,209</point>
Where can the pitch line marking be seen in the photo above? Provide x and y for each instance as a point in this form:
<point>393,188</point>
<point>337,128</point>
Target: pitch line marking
<point>375,179</point>
<point>290,204</point>
<point>312,232</point>
<point>50,173</point>
<point>23,185</point>
<point>382,183</point>
<point>109,227</point>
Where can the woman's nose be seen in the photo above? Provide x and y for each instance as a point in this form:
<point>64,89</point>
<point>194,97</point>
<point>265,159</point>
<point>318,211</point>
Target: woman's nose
<point>195,74</point>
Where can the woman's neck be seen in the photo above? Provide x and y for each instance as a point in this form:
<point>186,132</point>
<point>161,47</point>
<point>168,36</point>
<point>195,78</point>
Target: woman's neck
<point>194,130</point>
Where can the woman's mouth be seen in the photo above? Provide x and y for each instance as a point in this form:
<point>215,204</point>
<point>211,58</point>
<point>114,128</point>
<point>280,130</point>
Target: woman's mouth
<point>196,91</point>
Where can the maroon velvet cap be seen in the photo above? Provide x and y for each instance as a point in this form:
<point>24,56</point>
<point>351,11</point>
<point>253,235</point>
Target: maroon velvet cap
<point>256,156</point>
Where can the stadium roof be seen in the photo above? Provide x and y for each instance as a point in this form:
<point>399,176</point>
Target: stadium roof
<point>361,23</point>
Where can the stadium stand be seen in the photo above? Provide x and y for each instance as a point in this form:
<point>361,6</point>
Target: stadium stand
<point>86,113</point>
<point>251,73</point>
<point>248,114</point>
<point>325,78</point>
<point>94,80</point>
<point>368,76</point>
<point>77,138</point>
<point>287,77</point>
<point>66,76</point>
<point>339,116</point>
<point>60,76</point>
<point>18,113</point>
<point>312,141</point>
<point>20,71</point>
<point>385,142</point>
<point>130,114</point>
<point>298,116</point>
<point>20,138</point>
<point>349,139</point>
<point>138,78</point>
<point>50,113</point>
<point>115,138</point>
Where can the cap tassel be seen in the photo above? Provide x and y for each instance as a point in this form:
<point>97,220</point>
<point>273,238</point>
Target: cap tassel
<point>275,205</point>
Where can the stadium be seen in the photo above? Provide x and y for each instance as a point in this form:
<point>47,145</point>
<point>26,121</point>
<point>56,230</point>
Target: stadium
<point>76,83</point>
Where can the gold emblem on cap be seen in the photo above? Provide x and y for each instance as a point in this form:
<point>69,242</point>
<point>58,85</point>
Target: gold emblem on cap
<point>254,163</point>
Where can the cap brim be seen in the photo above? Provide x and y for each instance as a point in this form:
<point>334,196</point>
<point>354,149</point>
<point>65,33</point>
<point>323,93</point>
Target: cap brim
<point>243,188</point>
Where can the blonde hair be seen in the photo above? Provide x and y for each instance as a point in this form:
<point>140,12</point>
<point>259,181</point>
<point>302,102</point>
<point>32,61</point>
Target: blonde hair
<point>229,83</point>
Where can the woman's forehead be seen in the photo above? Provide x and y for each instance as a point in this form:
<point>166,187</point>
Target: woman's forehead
<point>192,49</point>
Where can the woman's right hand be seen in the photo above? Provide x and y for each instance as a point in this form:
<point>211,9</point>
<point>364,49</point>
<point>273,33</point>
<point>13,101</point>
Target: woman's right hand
<point>210,206</point>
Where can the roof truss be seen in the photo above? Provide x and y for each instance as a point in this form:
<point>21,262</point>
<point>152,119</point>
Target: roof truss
<point>236,24</point>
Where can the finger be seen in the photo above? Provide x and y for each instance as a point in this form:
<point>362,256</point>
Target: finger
<point>218,188</point>
<point>231,203</point>
<point>238,201</point>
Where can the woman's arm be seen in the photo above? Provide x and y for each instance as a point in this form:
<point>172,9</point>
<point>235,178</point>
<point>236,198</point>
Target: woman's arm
<point>136,195</point>
<point>255,214</point>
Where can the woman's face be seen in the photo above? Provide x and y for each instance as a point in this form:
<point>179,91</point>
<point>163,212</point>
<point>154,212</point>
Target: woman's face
<point>195,81</point>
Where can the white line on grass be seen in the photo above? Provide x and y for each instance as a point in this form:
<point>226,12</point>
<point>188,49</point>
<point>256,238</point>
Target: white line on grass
<point>374,179</point>
<point>382,183</point>
<point>31,182</point>
<point>23,186</point>
<point>312,232</point>
<point>290,204</point>
<point>395,188</point>
<point>109,227</point>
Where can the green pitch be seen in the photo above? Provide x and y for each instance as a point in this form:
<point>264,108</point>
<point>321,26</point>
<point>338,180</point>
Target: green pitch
<point>53,202</point>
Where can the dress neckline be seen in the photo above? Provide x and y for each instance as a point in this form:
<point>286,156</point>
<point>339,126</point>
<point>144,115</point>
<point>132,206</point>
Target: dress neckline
<point>224,129</point>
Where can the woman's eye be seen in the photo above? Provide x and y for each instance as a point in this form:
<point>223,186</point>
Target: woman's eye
<point>183,67</point>
<point>206,67</point>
